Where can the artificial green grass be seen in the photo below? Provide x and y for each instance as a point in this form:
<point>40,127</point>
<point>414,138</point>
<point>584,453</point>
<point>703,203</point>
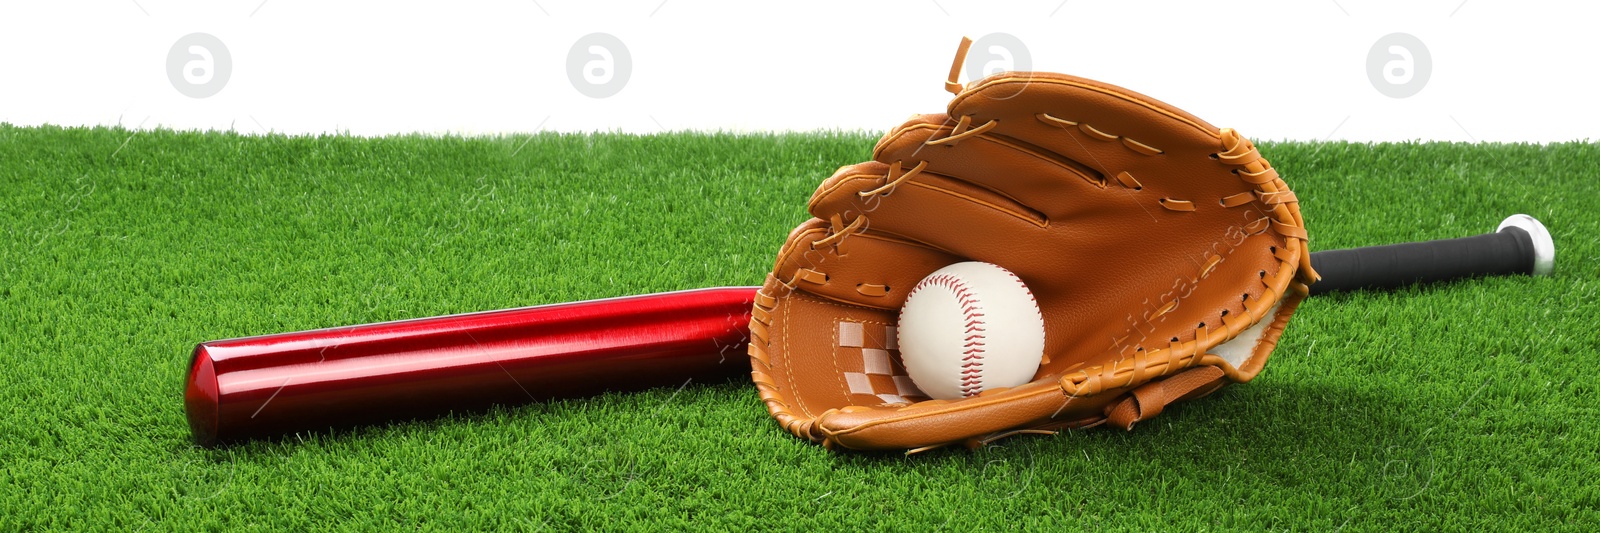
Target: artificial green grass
<point>1465,406</point>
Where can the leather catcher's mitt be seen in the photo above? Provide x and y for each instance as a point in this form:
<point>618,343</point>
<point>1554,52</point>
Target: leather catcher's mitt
<point>1166,256</point>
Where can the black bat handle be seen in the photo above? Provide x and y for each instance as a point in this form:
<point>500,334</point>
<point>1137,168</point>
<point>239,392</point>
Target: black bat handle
<point>1521,245</point>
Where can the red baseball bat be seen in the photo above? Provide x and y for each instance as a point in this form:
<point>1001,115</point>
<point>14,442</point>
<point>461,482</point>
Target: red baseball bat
<point>278,384</point>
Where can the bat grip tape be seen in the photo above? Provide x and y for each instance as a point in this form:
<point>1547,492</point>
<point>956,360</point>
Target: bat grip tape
<point>1508,251</point>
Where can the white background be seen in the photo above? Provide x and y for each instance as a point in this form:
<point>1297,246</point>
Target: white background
<point>1501,70</point>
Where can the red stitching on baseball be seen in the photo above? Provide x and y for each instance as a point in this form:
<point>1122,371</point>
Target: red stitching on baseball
<point>973,351</point>
<point>1025,288</point>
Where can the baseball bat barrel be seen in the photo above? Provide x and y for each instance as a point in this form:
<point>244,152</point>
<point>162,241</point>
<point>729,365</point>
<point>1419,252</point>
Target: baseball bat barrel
<point>279,384</point>
<point>1521,245</point>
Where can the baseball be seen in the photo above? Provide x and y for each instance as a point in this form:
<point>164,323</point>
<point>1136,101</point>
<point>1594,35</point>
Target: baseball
<point>970,327</point>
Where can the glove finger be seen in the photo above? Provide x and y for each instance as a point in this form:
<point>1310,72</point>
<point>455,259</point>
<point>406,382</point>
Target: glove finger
<point>1054,185</point>
<point>829,200</point>
<point>849,269</point>
<point>937,211</point>
<point>1124,138</point>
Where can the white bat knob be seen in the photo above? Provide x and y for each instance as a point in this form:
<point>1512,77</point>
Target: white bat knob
<point>1544,248</point>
